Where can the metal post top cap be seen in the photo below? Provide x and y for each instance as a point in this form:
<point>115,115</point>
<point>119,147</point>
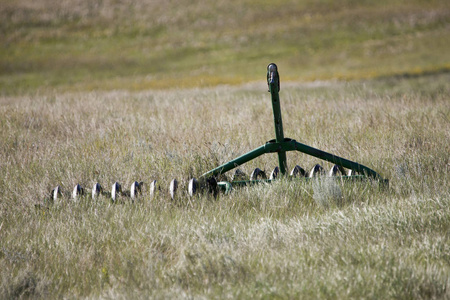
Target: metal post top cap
<point>272,67</point>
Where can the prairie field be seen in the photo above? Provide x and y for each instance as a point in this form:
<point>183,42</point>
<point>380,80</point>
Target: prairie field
<point>106,91</point>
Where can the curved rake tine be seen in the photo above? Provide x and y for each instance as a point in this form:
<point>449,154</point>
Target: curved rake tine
<point>96,190</point>
<point>115,191</point>
<point>336,171</point>
<point>136,189</point>
<point>56,192</point>
<point>298,171</point>
<point>212,186</point>
<point>257,173</point>
<point>173,188</point>
<point>77,191</point>
<point>192,187</point>
<point>316,171</point>
<point>152,188</point>
<point>238,175</point>
<point>274,173</point>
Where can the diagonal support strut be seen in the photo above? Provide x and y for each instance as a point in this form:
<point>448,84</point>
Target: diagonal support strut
<point>281,145</point>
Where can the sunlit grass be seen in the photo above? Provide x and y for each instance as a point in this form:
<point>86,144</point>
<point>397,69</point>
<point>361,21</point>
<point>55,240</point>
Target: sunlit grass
<point>316,239</point>
<point>105,91</point>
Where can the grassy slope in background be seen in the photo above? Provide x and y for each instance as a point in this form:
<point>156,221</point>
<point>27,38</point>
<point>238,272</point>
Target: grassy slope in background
<point>142,44</point>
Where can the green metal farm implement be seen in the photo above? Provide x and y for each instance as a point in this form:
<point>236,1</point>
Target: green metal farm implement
<point>343,168</point>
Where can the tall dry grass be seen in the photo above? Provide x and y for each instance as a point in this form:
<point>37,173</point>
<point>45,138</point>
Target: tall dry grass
<point>290,239</point>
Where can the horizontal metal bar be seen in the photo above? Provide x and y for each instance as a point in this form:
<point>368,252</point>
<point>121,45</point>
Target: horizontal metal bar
<point>292,145</point>
<point>226,186</point>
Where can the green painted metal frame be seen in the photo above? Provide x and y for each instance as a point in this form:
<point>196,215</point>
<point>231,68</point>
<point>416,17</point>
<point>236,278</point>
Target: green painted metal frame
<point>281,145</point>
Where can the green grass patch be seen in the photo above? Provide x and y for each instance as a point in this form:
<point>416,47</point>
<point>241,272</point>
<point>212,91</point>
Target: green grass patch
<point>172,44</point>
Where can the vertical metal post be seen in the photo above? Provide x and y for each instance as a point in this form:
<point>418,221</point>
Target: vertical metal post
<point>273,80</point>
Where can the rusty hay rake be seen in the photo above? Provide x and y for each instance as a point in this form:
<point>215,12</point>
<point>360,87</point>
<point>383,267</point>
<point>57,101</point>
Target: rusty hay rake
<point>343,168</point>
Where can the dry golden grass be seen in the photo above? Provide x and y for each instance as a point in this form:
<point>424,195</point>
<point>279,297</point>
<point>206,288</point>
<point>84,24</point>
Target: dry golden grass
<point>79,103</point>
<point>286,240</point>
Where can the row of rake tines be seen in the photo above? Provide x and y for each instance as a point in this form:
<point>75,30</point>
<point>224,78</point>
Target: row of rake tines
<point>136,188</point>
